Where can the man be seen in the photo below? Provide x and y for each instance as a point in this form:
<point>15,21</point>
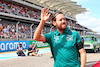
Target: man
<point>32,51</point>
<point>20,50</point>
<point>65,44</point>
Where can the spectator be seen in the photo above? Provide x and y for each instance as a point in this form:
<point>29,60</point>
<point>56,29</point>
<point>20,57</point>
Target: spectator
<point>30,51</point>
<point>33,51</point>
<point>82,40</point>
<point>20,50</point>
<point>35,48</point>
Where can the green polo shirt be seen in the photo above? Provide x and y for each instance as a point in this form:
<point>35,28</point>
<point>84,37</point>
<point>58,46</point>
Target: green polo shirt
<point>64,47</point>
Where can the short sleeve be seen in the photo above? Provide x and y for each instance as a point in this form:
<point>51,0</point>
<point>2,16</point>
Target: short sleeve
<point>29,49</point>
<point>48,37</point>
<point>79,43</point>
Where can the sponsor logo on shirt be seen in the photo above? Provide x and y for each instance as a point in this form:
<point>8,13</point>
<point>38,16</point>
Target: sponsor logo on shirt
<point>56,38</point>
<point>69,38</point>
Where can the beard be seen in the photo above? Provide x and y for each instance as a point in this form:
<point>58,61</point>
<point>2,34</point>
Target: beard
<point>61,27</point>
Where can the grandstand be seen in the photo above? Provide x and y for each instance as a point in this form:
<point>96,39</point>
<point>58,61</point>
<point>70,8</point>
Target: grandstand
<point>19,18</point>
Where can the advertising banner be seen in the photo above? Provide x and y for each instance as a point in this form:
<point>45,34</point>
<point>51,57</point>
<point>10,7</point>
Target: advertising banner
<point>39,44</point>
<point>12,45</point>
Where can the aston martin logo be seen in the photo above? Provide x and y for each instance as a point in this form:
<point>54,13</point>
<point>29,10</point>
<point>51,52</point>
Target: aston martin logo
<point>69,38</point>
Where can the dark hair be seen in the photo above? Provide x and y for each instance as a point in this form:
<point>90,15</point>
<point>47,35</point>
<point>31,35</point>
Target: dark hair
<point>20,44</point>
<point>53,17</point>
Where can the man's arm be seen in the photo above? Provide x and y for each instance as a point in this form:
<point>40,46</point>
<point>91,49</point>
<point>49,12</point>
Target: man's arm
<point>80,47</point>
<point>37,35</point>
<point>44,17</point>
<point>29,51</point>
<point>82,57</point>
<point>18,49</point>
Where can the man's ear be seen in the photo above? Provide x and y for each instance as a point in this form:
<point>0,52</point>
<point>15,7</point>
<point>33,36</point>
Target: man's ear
<point>54,23</point>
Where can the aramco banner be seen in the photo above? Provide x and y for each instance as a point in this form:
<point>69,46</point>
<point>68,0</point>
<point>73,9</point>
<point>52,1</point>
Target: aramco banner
<point>12,45</point>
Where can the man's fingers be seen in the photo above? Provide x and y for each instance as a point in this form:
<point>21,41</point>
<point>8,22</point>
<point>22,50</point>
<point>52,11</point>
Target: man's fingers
<point>42,11</point>
<point>49,15</point>
<point>47,11</point>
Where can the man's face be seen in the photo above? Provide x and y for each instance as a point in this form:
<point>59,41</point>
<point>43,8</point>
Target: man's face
<point>33,44</point>
<point>19,45</point>
<point>60,22</point>
<point>30,46</point>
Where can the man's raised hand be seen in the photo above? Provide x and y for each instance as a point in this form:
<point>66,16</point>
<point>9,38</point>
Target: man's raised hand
<point>45,14</point>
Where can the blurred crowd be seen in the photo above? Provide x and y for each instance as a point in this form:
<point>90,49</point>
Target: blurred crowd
<point>8,29</point>
<point>18,10</point>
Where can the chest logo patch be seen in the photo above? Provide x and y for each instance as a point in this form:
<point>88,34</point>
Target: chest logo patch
<point>69,38</point>
<point>56,39</point>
